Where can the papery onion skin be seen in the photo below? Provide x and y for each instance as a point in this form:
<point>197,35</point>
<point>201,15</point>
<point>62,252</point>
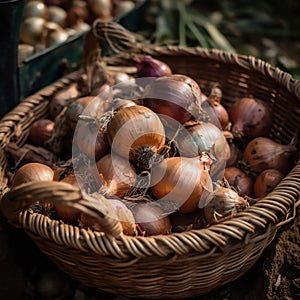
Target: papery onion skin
<point>135,129</point>
<point>266,181</point>
<point>32,172</point>
<point>263,153</point>
<point>239,180</point>
<point>117,174</point>
<point>223,204</point>
<point>235,155</point>
<point>176,96</point>
<point>150,219</point>
<point>184,181</point>
<point>250,118</point>
<point>66,213</point>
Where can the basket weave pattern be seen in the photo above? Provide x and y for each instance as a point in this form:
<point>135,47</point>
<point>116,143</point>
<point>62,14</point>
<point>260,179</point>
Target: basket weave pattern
<point>180,264</point>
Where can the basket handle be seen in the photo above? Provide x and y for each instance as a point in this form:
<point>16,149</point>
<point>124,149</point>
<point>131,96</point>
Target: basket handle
<point>116,36</point>
<point>25,195</point>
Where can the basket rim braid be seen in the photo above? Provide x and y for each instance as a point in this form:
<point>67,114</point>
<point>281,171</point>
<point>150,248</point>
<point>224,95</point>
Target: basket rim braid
<point>154,267</point>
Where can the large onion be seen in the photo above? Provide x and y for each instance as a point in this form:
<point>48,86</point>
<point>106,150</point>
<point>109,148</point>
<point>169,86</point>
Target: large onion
<point>136,132</point>
<point>183,181</point>
<point>176,96</point>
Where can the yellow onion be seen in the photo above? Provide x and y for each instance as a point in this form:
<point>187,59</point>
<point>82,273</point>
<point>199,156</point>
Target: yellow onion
<point>32,30</point>
<point>55,34</point>
<point>183,181</point>
<point>223,203</point>
<point>35,8</point>
<point>150,219</point>
<point>32,172</point>
<point>57,15</point>
<point>136,133</point>
<point>90,140</point>
<point>117,175</point>
<point>266,181</point>
<point>117,210</point>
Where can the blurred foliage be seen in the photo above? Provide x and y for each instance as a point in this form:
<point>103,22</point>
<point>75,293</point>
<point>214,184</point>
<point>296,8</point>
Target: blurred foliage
<point>268,29</point>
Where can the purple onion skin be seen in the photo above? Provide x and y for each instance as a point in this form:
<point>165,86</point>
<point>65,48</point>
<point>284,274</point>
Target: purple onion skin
<point>151,67</point>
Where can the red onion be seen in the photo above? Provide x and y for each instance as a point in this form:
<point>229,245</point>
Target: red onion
<point>149,67</point>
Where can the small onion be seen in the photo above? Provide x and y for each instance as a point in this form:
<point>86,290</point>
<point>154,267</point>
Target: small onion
<point>78,13</point>
<point>32,30</point>
<point>250,118</point>
<point>100,8</point>
<point>55,34</point>
<point>40,131</point>
<point>61,98</point>
<point>150,219</point>
<point>32,172</point>
<point>176,96</point>
<point>66,213</point>
<point>57,15</point>
<point>266,181</point>
<point>183,181</point>
<point>235,154</point>
<point>136,132</point>
<point>35,8</point>
<point>223,203</point>
<point>90,140</point>
<point>117,174</point>
<point>117,210</point>
<point>149,67</point>
<point>263,153</point>
<point>239,180</point>
<point>204,137</point>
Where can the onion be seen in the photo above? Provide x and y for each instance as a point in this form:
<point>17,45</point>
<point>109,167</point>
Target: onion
<point>90,140</point>
<point>24,52</point>
<point>136,132</point>
<point>61,99</point>
<point>117,175</point>
<point>223,203</point>
<point>183,181</point>
<point>66,213</point>
<point>216,111</point>
<point>250,118</point>
<point>235,154</point>
<point>204,137</point>
<point>101,9</point>
<point>40,131</point>
<point>78,13</point>
<point>239,180</point>
<point>263,153</point>
<point>35,9</point>
<point>176,96</point>
<point>150,219</point>
<point>117,210</point>
<point>57,15</point>
<point>32,30</point>
<point>266,181</point>
<point>183,222</point>
<point>55,34</point>
<point>147,66</point>
<point>32,172</point>
<point>89,105</point>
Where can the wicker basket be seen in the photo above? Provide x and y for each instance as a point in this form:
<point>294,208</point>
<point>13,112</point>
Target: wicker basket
<point>180,264</point>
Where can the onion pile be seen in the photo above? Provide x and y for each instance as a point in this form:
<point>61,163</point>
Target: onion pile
<point>161,156</point>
